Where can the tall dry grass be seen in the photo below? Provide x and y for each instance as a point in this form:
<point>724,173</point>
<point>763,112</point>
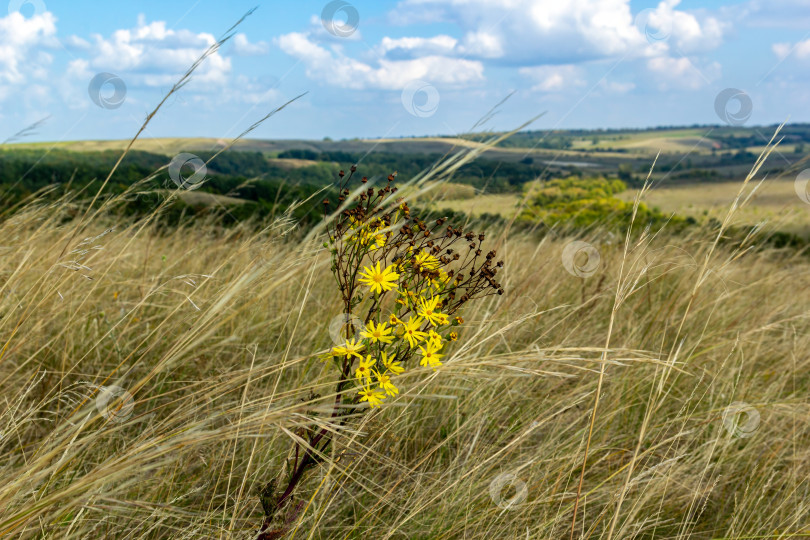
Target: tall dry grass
<point>214,334</point>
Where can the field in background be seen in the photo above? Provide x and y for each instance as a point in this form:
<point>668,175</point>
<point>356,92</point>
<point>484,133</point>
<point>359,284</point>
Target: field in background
<point>775,201</point>
<point>696,175</point>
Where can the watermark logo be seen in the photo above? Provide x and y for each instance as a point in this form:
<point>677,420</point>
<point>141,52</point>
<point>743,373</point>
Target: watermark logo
<point>654,26</point>
<point>723,102</point>
<point>98,90</point>
<point>340,18</point>
<point>420,98</point>
<point>16,6</point>
<point>345,327</point>
<point>741,419</point>
<point>188,161</point>
<point>115,403</point>
<point>581,259</point>
<point>802,184</point>
<point>496,488</point>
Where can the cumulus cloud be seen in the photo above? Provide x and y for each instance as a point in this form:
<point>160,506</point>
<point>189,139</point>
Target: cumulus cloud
<point>616,87</point>
<point>800,50</point>
<point>152,55</point>
<point>335,68</point>
<point>682,73</point>
<point>773,13</point>
<point>242,47</point>
<point>554,78</point>
<point>528,32</point>
<point>21,43</point>
<point>410,47</point>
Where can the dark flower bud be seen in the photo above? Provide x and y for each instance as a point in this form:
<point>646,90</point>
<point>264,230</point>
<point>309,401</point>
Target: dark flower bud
<point>341,174</point>
<point>353,168</point>
<point>481,237</point>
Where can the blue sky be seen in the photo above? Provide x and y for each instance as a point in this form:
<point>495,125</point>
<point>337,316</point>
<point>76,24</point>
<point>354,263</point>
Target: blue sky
<point>397,68</point>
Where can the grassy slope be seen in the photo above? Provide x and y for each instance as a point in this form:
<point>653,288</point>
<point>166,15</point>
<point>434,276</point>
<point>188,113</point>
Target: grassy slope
<point>775,201</point>
<point>640,144</point>
<point>213,331</point>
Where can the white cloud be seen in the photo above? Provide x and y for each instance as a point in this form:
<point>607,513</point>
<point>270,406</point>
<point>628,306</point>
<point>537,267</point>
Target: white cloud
<point>152,55</point>
<point>554,78</point>
<point>682,73</point>
<point>616,87</point>
<point>482,44</point>
<point>565,32</point>
<point>531,32</point>
<point>75,42</point>
<point>416,46</point>
<point>334,68</point>
<point>687,32</point>
<point>773,13</point>
<point>20,42</point>
<point>800,50</point>
<point>242,47</point>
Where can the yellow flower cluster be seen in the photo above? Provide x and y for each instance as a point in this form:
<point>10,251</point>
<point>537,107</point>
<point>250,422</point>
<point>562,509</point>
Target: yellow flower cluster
<point>367,235</point>
<point>385,343</point>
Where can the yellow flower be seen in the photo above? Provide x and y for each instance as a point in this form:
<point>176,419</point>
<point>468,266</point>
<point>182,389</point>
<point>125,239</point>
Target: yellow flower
<point>349,349</point>
<point>412,332</point>
<point>394,367</point>
<point>380,333</point>
<point>379,280</point>
<point>372,395</point>
<point>426,261</point>
<point>435,337</point>
<point>363,371</point>
<point>428,309</point>
<point>393,319</point>
<point>453,336</point>
<point>429,356</point>
<point>386,384</point>
<point>459,320</point>
<point>379,240</point>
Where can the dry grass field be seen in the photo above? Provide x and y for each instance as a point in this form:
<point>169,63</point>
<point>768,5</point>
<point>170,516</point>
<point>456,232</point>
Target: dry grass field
<point>153,379</point>
<point>774,202</point>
